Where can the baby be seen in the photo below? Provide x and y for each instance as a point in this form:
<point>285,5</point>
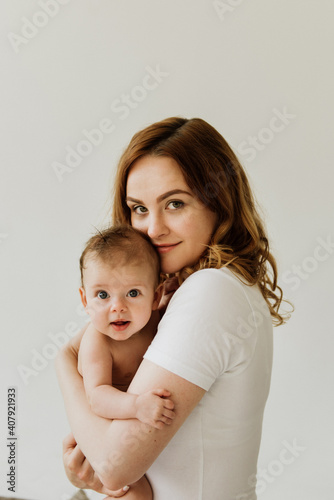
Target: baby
<point>120,273</point>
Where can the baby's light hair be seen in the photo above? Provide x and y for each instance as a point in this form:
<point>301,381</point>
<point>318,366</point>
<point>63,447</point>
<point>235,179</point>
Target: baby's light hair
<point>124,244</point>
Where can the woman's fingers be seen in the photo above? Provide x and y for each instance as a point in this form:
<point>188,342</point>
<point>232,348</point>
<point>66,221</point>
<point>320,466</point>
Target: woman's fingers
<point>80,472</point>
<point>171,285</point>
<point>77,468</point>
<point>69,442</point>
<point>70,448</point>
<point>118,493</point>
<point>73,457</point>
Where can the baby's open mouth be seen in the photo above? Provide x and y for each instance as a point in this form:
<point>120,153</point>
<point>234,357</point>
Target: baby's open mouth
<point>120,324</point>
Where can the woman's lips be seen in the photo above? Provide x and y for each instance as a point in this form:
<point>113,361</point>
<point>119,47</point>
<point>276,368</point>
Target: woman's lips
<point>166,248</point>
<point>120,325</point>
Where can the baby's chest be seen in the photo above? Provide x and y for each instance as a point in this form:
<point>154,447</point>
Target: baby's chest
<point>125,364</point>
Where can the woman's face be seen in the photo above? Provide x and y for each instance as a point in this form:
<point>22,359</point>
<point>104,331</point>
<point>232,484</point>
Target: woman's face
<point>163,206</point>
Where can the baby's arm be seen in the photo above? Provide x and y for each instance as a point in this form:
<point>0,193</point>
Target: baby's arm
<point>95,366</point>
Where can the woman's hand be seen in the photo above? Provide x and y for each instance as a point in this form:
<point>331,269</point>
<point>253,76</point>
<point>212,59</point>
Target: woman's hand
<point>80,472</point>
<point>169,287</point>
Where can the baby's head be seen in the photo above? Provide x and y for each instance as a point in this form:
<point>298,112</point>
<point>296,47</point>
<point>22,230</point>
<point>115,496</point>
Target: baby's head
<point>120,273</point>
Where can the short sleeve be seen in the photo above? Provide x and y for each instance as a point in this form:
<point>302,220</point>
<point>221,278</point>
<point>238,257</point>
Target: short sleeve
<point>205,331</point>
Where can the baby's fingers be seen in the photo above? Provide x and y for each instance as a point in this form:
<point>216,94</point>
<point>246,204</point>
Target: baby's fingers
<point>162,393</point>
<point>168,404</point>
<point>168,414</point>
<point>158,424</point>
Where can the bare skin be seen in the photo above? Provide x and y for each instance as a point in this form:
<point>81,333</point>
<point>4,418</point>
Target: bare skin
<point>117,452</point>
<point>73,458</point>
<point>180,226</point>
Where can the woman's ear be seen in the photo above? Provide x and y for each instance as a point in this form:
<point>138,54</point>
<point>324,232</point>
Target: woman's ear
<point>157,297</point>
<point>83,297</point>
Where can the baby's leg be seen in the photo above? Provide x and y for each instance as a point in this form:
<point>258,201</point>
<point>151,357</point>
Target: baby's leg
<point>141,490</point>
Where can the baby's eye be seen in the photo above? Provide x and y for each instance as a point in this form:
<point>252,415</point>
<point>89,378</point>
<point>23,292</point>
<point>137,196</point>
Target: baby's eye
<point>103,295</point>
<point>133,293</point>
<point>174,205</point>
<point>139,209</point>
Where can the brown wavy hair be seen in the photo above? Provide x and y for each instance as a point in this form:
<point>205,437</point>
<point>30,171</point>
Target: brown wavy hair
<point>214,174</point>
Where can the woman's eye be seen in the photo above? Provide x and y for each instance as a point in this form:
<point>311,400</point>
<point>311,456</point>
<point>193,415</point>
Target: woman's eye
<point>174,205</point>
<point>102,295</point>
<point>139,209</point>
<point>133,293</point>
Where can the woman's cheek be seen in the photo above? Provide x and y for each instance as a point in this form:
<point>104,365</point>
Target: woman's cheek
<point>185,225</point>
<point>137,224</point>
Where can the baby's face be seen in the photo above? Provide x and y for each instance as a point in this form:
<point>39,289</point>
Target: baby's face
<point>119,300</point>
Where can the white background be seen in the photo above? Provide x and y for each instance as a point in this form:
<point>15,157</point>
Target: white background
<point>233,67</point>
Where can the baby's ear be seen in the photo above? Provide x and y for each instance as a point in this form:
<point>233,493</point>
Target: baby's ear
<point>157,297</point>
<point>83,297</point>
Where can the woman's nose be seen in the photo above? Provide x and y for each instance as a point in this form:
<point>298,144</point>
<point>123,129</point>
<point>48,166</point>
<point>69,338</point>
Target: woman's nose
<point>156,227</point>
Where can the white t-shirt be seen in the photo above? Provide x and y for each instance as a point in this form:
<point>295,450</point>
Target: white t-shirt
<point>217,334</point>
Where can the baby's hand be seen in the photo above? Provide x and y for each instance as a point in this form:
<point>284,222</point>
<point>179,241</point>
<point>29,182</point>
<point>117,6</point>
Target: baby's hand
<point>153,409</point>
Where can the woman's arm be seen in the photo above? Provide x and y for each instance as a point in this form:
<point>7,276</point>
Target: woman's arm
<point>121,451</point>
<point>75,460</point>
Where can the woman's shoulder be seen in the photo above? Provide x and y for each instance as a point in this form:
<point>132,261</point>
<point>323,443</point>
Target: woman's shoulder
<point>216,292</point>
<point>221,279</point>
<point>212,318</point>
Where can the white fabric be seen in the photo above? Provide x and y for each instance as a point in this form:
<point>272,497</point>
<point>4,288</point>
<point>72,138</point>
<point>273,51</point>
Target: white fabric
<point>217,334</point>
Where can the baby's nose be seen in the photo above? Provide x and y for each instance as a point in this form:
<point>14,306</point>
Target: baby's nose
<point>118,305</point>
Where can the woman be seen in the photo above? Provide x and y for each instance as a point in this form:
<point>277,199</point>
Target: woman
<point>179,182</point>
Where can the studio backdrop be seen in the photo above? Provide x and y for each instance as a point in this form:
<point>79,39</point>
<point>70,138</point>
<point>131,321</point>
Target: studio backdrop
<point>78,79</point>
